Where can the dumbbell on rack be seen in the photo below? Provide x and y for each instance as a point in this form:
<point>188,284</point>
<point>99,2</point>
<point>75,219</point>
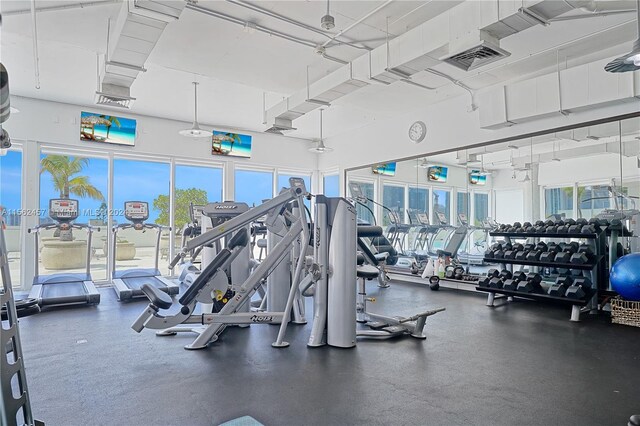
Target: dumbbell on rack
<point>531,284</point>
<point>564,228</point>
<point>559,288</point>
<point>578,290</point>
<point>577,228</point>
<point>550,227</point>
<point>583,256</point>
<point>512,283</point>
<point>526,227</point>
<point>498,282</point>
<point>539,227</point>
<point>593,227</point>
<point>534,255</point>
<point>548,256</point>
<point>491,274</point>
<point>515,248</point>
<point>522,255</point>
<point>515,227</point>
<point>568,250</point>
<point>491,252</point>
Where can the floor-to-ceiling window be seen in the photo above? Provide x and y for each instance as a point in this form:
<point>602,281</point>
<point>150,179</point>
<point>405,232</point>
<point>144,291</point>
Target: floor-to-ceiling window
<point>363,213</point>
<point>253,186</point>
<point>419,200</point>
<point>480,207</point>
<point>148,181</point>
<point>592,200</point>
<point>11,209</point>
<point>558,202</point>
<point>442,205</point>
<point>462,205</point>
<point>393,199</point>
<point>331,185</point>
<point>197,185</point>
<point>84,179</point>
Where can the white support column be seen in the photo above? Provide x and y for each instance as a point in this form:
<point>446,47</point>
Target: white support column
<point>110,209</point>
<point>229,182</point>
<point>172,206</point>
<point>30,202</point>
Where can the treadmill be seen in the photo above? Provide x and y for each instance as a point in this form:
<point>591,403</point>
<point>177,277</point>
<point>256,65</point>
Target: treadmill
<point>64,288</point>
<point>127,283</point>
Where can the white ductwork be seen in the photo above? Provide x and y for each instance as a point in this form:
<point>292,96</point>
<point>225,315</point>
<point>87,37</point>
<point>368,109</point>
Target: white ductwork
<point>466,36</point>
<point>131,40</point>
<point>574,89</point>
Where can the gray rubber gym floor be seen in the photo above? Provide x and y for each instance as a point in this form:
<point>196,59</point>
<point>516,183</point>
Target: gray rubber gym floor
<point>524,364</point>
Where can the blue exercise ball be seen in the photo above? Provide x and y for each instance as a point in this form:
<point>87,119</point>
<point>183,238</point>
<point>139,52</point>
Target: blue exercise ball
<point>625,277</point>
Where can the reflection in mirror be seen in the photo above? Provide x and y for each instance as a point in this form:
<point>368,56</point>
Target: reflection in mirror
<point>517,194</point>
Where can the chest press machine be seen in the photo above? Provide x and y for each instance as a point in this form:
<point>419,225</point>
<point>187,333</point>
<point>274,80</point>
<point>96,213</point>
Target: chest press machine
<point>328,275</point>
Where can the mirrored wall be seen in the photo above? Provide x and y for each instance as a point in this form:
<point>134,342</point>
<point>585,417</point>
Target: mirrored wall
<point>425,203</point>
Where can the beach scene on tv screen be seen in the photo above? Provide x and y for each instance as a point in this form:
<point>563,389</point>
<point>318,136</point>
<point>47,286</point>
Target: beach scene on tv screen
<point>107,128</point>
<point>231,144</point>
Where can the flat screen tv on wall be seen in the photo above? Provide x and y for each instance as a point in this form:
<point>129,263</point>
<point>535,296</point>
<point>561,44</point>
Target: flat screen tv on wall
<point>387,169</point>
<point>104,128</point>
<point>437,173</point>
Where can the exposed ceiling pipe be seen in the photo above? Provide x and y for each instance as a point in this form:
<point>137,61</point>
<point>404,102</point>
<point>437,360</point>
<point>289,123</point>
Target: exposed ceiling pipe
<point>291,21</point>
<point>34,30</point>
<point>61,7</point>
<point>260,28</point>
<point>358,22</point>
<point>457,83</point>
<point>589,15</point>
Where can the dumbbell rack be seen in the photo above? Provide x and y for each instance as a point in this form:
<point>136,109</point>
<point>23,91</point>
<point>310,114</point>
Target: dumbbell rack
<point>11,363</point>
<point>596,271</point>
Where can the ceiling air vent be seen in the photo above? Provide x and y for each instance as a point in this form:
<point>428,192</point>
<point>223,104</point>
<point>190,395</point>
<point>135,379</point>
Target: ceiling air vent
<point>279,126</point>
<point>477,56</point>
<point>113,95</point>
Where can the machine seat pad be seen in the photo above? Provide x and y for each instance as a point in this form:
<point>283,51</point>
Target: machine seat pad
<point>367,271</point>
<point>157,297</point>
<point>262,243</point>
<point>360,259</point>
<point>381,256</point>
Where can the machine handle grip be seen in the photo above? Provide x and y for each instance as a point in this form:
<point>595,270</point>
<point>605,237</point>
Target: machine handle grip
<point>175,260</point>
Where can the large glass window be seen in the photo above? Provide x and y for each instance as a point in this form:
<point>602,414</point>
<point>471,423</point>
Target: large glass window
<point>419,199</point>
<point>558,202</point>
<point>11,208</point>
<point>393,199</point>
<point>196,185</point>
<point>592,200</point>
<point>442,205</point>
<point>364,214</point>
<point>480,207</point>
<point>136,180</point>
<point>462,205</point>
<point>86,180</point>
<point>253,187</point>
<point>331,185</point>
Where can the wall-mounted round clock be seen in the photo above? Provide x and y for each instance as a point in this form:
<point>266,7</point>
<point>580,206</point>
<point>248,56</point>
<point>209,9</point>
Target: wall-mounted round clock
<point>417,131</point>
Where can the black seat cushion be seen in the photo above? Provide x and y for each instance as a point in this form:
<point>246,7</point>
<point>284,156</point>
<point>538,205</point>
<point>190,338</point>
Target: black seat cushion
<point>360,259</point>
<point>367,272</point>
<point>159,298</point>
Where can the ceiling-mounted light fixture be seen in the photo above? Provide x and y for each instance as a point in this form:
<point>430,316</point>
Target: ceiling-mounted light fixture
<point>327,21</point>
<point>554,158</point>
<point>195,131</point>
<point>526,177</point>
<point>630,61</point>
<point>424,164</point>
<point>320,148</point>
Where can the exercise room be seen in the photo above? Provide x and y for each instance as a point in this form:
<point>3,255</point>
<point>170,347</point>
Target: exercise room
<point>320,212</point>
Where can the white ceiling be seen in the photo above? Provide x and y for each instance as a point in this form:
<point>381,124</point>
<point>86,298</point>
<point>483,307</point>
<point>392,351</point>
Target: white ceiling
<point>236,67</point>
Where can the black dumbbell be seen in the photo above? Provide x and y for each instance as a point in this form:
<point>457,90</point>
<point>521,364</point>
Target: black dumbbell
<point>583,255</point>
<point>531,284</point>
<point>568,249</point>
<point>577,228</point>
<point>550,254</point>
<point>458,272</point>
<point>449,272</point>
<point>522,255</point>
<point>515,227</point>
<point>484,281</point>
<point>550,227</point>
<point>538,228</point>
<point>534,255</point>
<point>564,228</point>
<point>515,248</point>
<point>512,283</point>
<point>490,253</point>
<point>559,288</point>
<point>579,289</point>
<point>526,227</point>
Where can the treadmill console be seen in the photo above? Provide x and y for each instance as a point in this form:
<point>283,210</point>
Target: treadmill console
<point>423,218</point>
<point>136,211</point>
<point>224,211</point>
<point>442,218</point>
<point>63,210</point>
<point>298,185</point>
<point>356,190</point>
<point>462,217</point>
